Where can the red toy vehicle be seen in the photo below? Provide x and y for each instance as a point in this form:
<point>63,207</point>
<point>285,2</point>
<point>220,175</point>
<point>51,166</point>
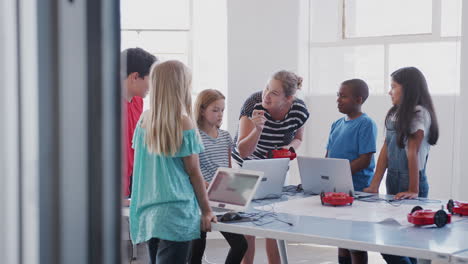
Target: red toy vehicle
<point>334,198</point>
<point>282,153</point>
<point>456,207</point>
<point>421,217</point>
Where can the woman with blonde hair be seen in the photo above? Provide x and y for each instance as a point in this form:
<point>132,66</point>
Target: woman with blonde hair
<point>269,119</point>
<point>168,187</point>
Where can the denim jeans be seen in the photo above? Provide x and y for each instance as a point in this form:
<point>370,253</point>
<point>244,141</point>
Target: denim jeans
<point>237,251</point>
<point>391,259</point>
<point>167,252</point>
<point>398,181</point>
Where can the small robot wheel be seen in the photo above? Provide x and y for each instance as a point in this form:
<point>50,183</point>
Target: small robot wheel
<point>416,208</point>
<point>440,218</point>
<point>450,206</point>
<point>270,154</point>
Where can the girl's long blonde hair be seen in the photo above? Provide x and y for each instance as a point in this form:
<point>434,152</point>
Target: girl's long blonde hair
<point>204,99</point>
<point>170,99</point>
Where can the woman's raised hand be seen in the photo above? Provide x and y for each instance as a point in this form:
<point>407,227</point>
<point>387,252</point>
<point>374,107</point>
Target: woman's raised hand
<point>259,119</point>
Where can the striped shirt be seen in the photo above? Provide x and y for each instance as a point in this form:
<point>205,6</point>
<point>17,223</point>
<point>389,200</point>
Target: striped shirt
<point>216,153</point>
<point>275,133</point>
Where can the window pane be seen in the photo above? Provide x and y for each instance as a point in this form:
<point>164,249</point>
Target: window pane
<point>155,14</point>
<point>163,42</point>
<point>324,20</point>
<point>128,39</point>
<point>165,45</point>
<point>368,18</point>
<point>172,56</point>
<point>451,17</point>
<point>331,66</point>
<point>438,61</point>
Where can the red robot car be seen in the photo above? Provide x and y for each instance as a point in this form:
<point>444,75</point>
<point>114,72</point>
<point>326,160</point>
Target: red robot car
<point>282,153</point>
<point>456,207</point>
<point>421,217</point>
<point>336,198</point>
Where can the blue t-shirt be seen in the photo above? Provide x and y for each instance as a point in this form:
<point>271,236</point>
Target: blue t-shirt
<point>350,138</point>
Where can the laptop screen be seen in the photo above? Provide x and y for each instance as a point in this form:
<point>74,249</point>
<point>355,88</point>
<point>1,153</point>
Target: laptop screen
<point>325,175</point>
<point>232,187</point>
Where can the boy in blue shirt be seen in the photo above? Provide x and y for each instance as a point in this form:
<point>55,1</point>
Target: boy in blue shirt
<point>353,137</point>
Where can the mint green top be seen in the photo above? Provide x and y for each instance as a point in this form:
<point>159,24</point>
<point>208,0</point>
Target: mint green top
<point>163,203</point>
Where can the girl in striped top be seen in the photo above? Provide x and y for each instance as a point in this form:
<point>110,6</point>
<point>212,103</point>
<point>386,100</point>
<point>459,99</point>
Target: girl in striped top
<point>270,119</point>
<point>209,109</point>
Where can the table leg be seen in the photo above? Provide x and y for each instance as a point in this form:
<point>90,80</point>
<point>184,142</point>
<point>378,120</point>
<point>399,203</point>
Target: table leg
<point>282,251</point>
<point>134,252</point>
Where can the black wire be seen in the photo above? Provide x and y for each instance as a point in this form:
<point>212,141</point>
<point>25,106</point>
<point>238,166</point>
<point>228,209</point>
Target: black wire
<point>396,202</point>
<point>269,197</point>
<point>261,218</point>
<point>392,202</point>
<point>425,200</point>
<point>290,190</point>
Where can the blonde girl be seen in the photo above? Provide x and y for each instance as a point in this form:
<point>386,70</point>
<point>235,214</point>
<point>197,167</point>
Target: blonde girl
<point>168,187</point>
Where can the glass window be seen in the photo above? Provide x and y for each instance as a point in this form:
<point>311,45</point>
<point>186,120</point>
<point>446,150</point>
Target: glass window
<point>325,19</point>
<point>155,14</point>
<point>439,63</point>
<point>451,18</point>
<point>370,18</point>
<point>165,45</point>
<point>331,66</point>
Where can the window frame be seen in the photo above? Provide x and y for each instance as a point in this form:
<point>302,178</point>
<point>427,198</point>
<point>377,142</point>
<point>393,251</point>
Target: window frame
<point>387,40</point>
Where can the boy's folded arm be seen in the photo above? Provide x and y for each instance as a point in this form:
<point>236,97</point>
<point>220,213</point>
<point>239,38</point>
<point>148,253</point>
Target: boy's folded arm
<point>362,162</point>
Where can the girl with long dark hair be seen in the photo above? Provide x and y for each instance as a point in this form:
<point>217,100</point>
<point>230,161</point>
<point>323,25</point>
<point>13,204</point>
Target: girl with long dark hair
<point>411,128</point>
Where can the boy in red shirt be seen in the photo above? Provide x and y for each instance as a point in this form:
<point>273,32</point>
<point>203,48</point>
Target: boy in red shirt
<point>136,85</point>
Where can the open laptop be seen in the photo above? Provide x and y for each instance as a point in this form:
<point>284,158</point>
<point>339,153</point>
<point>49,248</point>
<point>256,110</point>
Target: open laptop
<point>232,189</point>
<point>274,175</point>
<point>327,175</point>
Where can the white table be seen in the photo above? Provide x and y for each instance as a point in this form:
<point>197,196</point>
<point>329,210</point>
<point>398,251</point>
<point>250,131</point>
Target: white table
<point>419,242</point>
<point>460,258</point>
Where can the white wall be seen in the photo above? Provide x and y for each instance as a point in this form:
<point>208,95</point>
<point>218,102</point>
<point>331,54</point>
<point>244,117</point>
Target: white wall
<point>461,178</point>
<point>262,39</point>
<point>209,49</point>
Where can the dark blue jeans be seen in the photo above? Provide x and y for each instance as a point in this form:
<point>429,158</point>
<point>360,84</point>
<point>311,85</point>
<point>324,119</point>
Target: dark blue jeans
<point>391,259</point>
<point>237,251</point>
<point>167,252</point>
